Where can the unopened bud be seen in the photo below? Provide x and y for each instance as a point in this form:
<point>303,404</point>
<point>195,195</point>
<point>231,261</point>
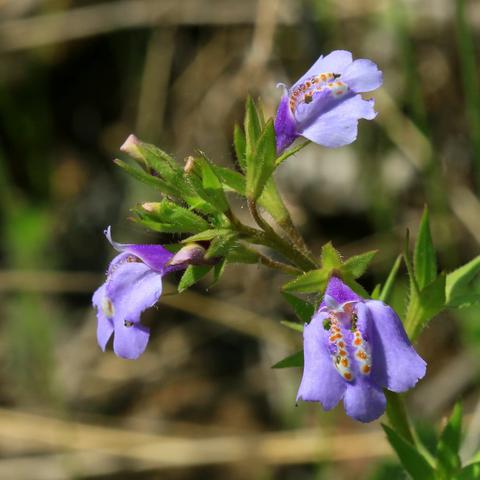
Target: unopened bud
<point>191,254</point>
<point>150,206</point>
<point>130,146</point>
<point>189,164</point>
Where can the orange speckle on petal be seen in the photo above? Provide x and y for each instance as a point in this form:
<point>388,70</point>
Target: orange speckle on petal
<point>357,341</point>
<point>347,376</point>
<point>366,369</point>
<point>344,362</point>
<point>362,355</point>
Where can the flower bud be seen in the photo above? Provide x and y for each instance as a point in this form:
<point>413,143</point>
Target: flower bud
<point>191,254</point>
<point>130,146</point>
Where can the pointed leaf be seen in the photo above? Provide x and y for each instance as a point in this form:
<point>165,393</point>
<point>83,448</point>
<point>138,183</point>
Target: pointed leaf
<point>470,472</point>
<point>295,360</point>
<point>220,245</point>
<point>314,281</point>
<point>273,203</point>
<point>387,289</point>
<point>358,264</point>
<point>261,164</point>
<point>208,235</point>
<point>240,253</point>
<point>252,130</point>
<point>192,275</point>
<point>240,146</point>
<point>330,257</point>
<point>168,217</point>
<point>234,181</point>
<point>410,458</point>
<point>458,281</point>
<point>148,179</point>
<point>375,295</point>
<point>449,444</point>
<point>425,259</point>
<point>423,307</point>
<point>302,309</point>
<point>298,327</point>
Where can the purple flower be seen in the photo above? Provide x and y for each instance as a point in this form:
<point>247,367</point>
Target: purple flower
<point>324,105</point>
<point>354,348</point>
<point>133,284</point>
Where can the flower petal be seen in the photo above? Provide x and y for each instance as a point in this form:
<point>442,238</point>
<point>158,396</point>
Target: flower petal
<point>130,341</point>
<point>395,363</point>
<point>285,125</point>
<point>155,256</point>
<point>337,290</point>
<point>363,400</point>
<point>338,126</point>
<point>362,76</point>
<point>320,381</point>
<point>104,324</point>
<point>132,288</point>
<point>335,62</point>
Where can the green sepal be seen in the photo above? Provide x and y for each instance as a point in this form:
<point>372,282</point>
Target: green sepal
<point>303,310</point>
<point>218,270</point>
<point>261,163</point>
<point>220,245</point>
<point>298,327</point>
<point>424,259</point>
<point>192,275</point>
<point>410,458</point>
<point>169,217</point>
<point>240,253</point>
<point>272,202</point>
<point>208,235</point>
<point>213,185</point>
<point>376,292</point>
<point>357,265</point>
<point>448,446</point>
<point>458,286</point>
<point>295,360</point>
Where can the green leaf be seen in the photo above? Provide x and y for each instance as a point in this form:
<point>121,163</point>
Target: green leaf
<point>213,186</point>
<point>375,295</point>
<point>240,145</point>
<point>168,217</point>
<point>423,307</point>
<point>234,181</point>
<point>358,264</point>
<point>192,275</point>
<point>252,130</point>
<point>330,257</point>
<point>261,164</point>
<point>425,260</point>
<point>458,282</point>
<point>388,287</point>
<point>410,458</point>
<point>295,360</point>
<point>302,309</point>
<point>298,327</point>
<point>449,444</point>
<point>220,245</point>
<point>314,281</point>
<point>148,179</point>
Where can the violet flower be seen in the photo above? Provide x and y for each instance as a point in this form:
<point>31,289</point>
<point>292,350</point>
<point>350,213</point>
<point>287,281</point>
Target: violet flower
<point>354,348</point>
<point>133,284</point>
<point>324,105</point>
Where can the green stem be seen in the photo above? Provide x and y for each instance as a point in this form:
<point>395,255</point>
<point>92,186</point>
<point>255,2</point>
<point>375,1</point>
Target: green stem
<point>283,267</point>
<point>275,241</point>
<point>291,152</point>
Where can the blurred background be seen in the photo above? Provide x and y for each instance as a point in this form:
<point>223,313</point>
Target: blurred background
<point>76,77</point>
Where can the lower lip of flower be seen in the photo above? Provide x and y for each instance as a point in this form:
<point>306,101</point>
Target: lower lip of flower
<point>341,357</point>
